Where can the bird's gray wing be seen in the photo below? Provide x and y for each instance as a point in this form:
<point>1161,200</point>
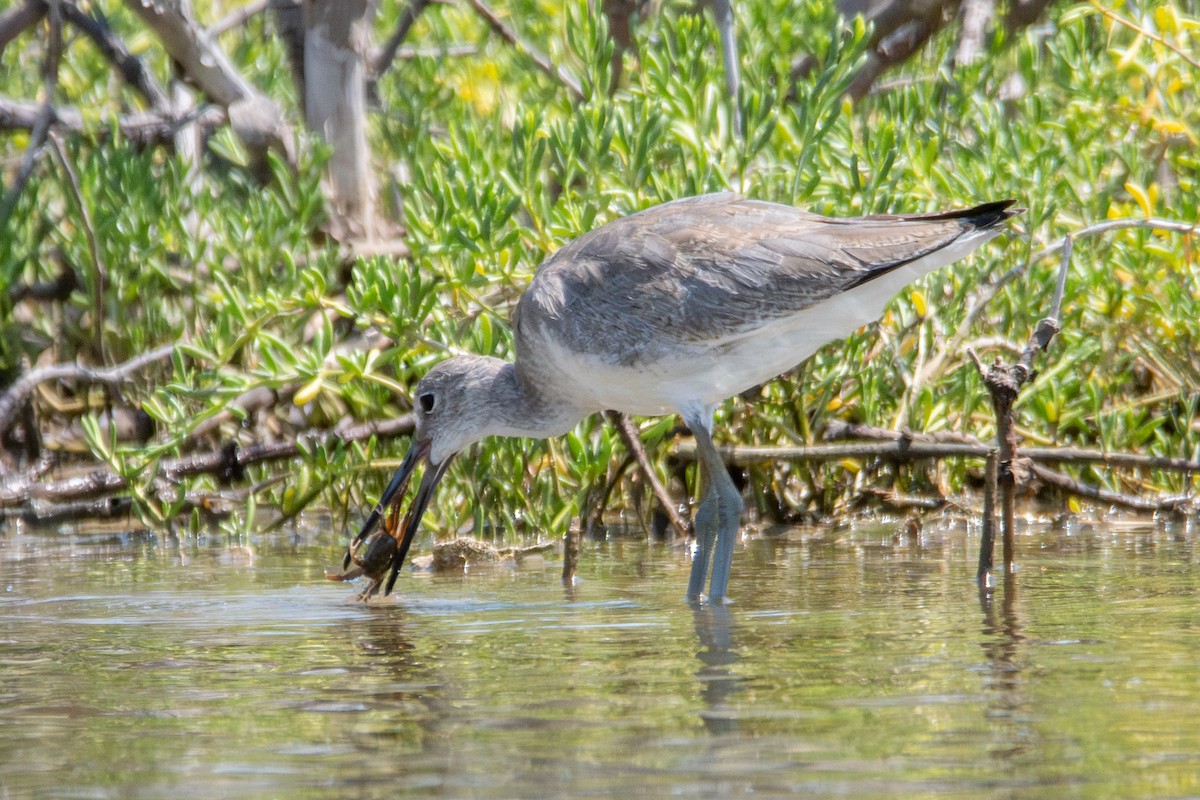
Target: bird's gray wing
<point>713,267</point>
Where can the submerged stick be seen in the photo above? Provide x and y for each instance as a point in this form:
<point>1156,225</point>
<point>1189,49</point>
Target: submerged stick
<point>987,545</point>
<point>1004,383</point>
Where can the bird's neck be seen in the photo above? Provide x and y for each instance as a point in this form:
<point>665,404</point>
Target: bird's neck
<point>523,406</point>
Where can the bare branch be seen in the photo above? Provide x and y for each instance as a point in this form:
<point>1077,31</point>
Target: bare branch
<point>629,435</point>
<point>227,462</point>
<point>41,127</point>
<point>1069,485</point>
<point>1049,455</point>
<point>132,69</point>
<point>113,376</point>
<point>255,118</point>
<point>143,129</point>
<point>910,446</point>
<point>238,17</point>
<point>19,19</point>
<point>540,59</point>
<point>1141,31</point>
<point>988,292</point>
<point>382,60</point>
<point>903,447</point>
<point>976,15</point>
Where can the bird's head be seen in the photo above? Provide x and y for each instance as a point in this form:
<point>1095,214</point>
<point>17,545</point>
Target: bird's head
<point>452,407</point>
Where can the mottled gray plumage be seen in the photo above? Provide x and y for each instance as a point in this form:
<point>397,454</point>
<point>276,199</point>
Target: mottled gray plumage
<point>669,289</point>
<point>674,309</point>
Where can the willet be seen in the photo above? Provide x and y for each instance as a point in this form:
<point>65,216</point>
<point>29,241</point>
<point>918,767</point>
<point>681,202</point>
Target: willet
<point>672,309</point>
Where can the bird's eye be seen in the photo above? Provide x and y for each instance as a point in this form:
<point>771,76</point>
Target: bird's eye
<point>427,401</point>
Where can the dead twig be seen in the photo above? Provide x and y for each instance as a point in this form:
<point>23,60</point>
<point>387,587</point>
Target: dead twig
<point>141,129</point>
<point>540,59</point>
<point>256,118</point>
<point>132,69</point>
<point>228,462</point>
<point>629,435</point>
<point>903,447</point>
<point>978,304</point>
<point>238,17</point>
<point>382,61</point>
<point>41,128</point>
<point>1004,384</point>
<point>20,391</point>
<point>1141,31</point>
<point>18,19</point>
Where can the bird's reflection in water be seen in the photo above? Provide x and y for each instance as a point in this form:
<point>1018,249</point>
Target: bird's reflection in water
<point>714,629</point>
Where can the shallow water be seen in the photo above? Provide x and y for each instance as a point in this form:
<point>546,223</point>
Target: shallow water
<point>853,664</point>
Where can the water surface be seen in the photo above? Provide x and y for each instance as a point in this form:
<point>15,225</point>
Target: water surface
<point>854,663</point>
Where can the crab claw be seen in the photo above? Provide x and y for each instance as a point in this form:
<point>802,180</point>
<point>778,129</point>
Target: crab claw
<point>377,561</point>
<point>389,505</point>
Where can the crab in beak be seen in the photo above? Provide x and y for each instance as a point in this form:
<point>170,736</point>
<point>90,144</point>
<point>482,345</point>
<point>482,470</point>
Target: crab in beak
<point>387,547</point>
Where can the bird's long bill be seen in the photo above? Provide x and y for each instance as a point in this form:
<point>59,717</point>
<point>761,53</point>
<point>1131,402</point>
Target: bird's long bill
<point>429,481</point>
<point>398,486</point>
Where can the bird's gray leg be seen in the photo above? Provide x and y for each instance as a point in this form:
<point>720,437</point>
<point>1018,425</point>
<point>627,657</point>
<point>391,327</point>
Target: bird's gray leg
<point>723,11</point>
<point>705,524</point>
<point>717,518</point>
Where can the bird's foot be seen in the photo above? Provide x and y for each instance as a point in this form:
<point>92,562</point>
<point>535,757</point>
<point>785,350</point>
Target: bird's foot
<point>701,600</point>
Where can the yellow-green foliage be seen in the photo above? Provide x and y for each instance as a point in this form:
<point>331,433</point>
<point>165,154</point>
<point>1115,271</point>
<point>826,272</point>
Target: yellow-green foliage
<point>1087,117</point>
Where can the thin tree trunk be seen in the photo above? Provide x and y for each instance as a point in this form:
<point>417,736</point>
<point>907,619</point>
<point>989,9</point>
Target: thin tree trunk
<point>335,49</point>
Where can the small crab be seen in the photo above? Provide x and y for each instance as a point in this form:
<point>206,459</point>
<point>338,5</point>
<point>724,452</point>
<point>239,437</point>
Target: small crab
<point>388,547</point>
<point>377,560</point>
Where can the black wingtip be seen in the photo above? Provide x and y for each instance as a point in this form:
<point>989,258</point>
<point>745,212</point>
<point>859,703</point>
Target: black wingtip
<point>988,215</point>
<point>982,216</point>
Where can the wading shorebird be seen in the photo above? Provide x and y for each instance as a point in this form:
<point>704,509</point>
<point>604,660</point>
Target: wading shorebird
<point>669,310</point>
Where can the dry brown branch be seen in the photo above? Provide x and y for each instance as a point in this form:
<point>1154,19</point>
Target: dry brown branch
<point>903,447</point>
<point>18,19</point>
<point>382,60</point>
<point>1141,31</point>
<point>1023,13</point>
<point>20,391</point>
<point>238,17</point>
<point>540,59</point>
<point>227,463</point>
<point>629,435</point>
<point>977,305</point>
<point>1069,485</point>
<point>41,127</point>
<point>892,43</point>
<point>132,69</point>
<point>256,118</point>
<point>142,129</point>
